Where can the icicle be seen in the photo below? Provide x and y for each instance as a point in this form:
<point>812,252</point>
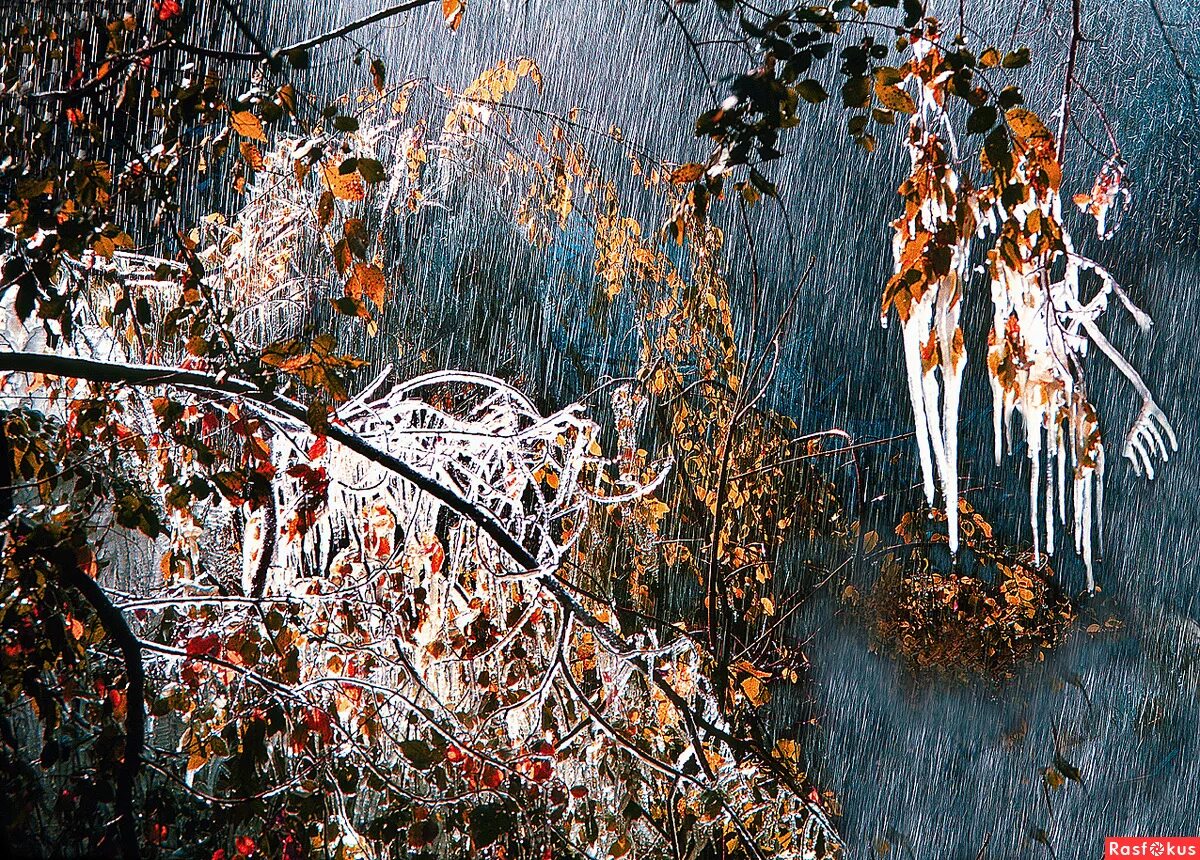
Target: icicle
<point>1033,434</point>
<point>912,361</point>
<point>1062,479</point>
<point>1086,529</point>
<point>1051,450</point>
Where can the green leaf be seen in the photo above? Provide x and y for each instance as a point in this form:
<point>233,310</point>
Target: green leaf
<point>995,148</point>
<point>350,306</point>
<point>345,123</point>
<point>420,754</point>
<point>298,59</point>
<point>1067,769</point>
<point>1009,97</point>
<point>763,184</point>
<point>487,822</point>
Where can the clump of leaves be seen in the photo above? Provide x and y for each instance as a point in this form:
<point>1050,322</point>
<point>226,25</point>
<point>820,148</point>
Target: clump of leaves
<point>983,624</point>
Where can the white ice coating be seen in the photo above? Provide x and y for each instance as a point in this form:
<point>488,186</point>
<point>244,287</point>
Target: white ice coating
<point>934,384</point>
<point>1041,329</point>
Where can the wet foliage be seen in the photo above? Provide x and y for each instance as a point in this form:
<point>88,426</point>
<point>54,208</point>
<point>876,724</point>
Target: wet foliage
<point>982,625</point>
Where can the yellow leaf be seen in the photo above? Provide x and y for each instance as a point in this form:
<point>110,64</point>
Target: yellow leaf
<point>755,691</point>
<point>104,247</point>
<point>367,280</point>
<point>247,125</point>
<point>1026,124</point>
<point>528,68</point>
<point>894,98</point>
<point>990,58</point>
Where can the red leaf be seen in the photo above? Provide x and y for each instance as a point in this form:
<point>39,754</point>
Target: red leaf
<point>168,10</point>
<point>318,721</point>
<point>245,845</point>
<point>204,646</point>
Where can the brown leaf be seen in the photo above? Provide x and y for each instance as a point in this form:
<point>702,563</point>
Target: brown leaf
<point>367,281</point>
<point>345,186</point>
<point>894,98</point>
<point>287,97</point>
<point>251,154</point>
<point>325,209</point>
<point>247,125</point>
<point>687,173</point>
<point>1026,124</point>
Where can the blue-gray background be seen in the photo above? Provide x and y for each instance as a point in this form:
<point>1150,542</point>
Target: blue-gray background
<point>938,770</point>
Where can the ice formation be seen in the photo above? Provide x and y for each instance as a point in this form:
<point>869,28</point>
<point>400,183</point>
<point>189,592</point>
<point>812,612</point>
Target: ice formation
<point>1041,323</point>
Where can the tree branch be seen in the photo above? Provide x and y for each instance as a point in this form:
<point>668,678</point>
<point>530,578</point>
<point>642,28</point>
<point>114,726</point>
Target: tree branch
<point>1188,77</point>
<point>1068,79</point>
<point>118,630</point>
<point>154,376</point>
<point>329,36</point>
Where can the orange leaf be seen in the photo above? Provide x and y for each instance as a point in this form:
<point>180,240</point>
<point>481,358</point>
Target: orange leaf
<point>687,173</point>
<point>247,125</point>
<point>252,155</point>
<point>1026,124</point>
<point>452,11</point>
<point>345,186</point>
<point>368,281</point>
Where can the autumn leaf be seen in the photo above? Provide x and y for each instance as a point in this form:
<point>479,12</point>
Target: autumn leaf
<point>452,12</point>
<point>1016,59</point>
<point>378,74</point>
<point>247,125</point>
<point>1026,124</point>
<point>686,173</point>
<point>251,154</point>
<point>894,98</point>
<point>168,10</point>
<point>756,691</point>
<point>104,247</point>
<point>528,68</point>
<point>811,91</point>
<point>367,281</point>
<point>345,186</point>
<point>204,646</point>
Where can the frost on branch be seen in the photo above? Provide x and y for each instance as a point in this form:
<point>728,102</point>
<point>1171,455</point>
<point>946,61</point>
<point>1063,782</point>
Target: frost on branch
<point>425,643</point>
<point>1042,322</point>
